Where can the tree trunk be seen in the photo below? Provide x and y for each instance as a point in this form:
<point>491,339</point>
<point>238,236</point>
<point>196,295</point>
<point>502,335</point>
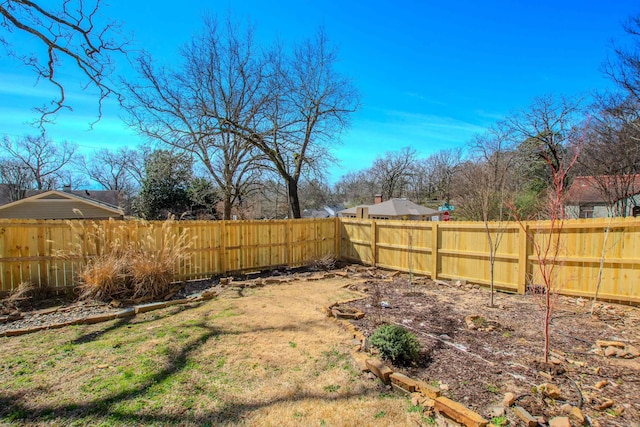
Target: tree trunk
<point>547,322</point>
<point>226,208</point>
<point>294,201</point>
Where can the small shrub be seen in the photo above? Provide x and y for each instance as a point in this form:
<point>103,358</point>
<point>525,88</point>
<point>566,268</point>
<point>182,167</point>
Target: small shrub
<point>492,388</point>
<point>396,343</point>
<point>499,421</point>
<point>326,263</point>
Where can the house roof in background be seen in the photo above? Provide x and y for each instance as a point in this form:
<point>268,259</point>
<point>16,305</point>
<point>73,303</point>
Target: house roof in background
<point>326,212</point>
<point>587,189</point>
<point>110,198</point>
<point>315,213</point>
<point>394,207</point>
<point>55,194</point>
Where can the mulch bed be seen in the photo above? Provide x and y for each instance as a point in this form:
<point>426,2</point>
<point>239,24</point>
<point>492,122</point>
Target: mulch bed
<point>476,354</point>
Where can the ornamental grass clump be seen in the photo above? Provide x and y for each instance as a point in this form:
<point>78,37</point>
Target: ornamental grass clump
<point>396,344</point>
<point>125,265</point>
<point>104,277</point>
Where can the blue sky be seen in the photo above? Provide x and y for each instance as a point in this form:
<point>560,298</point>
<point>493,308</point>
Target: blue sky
<point>431,74</point>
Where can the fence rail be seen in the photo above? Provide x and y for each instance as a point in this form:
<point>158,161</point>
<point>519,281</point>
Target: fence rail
<point>49,253</point>
<point>39,251</point>
<point>588,253</point>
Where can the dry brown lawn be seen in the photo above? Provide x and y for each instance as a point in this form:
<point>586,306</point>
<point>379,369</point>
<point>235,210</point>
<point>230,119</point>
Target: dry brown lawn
<point>263,357</point>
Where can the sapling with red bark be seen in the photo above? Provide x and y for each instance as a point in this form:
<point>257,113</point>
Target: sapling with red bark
<point>546,241</point>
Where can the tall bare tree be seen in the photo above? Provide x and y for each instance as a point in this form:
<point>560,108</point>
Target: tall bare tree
<point>42,159</point>
<point>356,188</point>
<point>624,66</point>
<point>221,80</point>
<point>612,151</point>
<point>545,130</point>
<point>442,167</point>
<point>71,33</point>
<point>16,177</point>
<point>308,105</point>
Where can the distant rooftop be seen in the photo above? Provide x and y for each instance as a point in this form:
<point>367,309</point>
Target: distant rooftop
<point>587,189</point>
<point>393,207</point>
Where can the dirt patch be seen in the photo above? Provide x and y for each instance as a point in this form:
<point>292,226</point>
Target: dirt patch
<point>475,353</point>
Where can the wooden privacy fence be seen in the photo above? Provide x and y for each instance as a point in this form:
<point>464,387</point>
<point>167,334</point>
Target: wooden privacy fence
<point>49,253</point>
<point>588,253</point>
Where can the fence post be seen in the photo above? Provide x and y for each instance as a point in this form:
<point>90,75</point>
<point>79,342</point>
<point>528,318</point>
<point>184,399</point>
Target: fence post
<point>289,232</point>
<point>373,242</point>
<point>223,247</point>
<point>434,250</point>
<point>338,241</point>
<point>523,257</point>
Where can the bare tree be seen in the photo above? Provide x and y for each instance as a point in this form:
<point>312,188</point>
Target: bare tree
<point>421,188</point>
<point>611,153</point>
<point>111,169</point>
<point>547,243</point>
<point>494,152</point>
<point>308,106</point>
<point>71,33</point>
<point>120,170</point>
<point>16,177</point>
<point>624,67</point>
<point>315,194</point>
<point>392,172</point>
<point>44,160</point>
<point>442,167</point>
<point>469,192</point>
<point>220,81</point>
<point>356,188</point>
<point>544,131</point>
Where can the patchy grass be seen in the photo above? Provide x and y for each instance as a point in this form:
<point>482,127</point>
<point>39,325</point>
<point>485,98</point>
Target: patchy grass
<point>268,358</point>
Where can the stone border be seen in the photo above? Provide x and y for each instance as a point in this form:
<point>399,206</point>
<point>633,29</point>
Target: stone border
<point>127,312</point>
<point>421,393</point>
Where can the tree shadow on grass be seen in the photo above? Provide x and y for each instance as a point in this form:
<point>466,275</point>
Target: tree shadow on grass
<point>14,406</point>
<point>124,321</point>
<point>230,413</point>
<point>18,407</point>
<point>93,336</point>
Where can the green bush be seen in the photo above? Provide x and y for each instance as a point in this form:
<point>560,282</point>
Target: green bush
<point>396,343</point>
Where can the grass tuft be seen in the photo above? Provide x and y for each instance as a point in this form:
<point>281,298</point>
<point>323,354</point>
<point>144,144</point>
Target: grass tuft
<point>127,268</point>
